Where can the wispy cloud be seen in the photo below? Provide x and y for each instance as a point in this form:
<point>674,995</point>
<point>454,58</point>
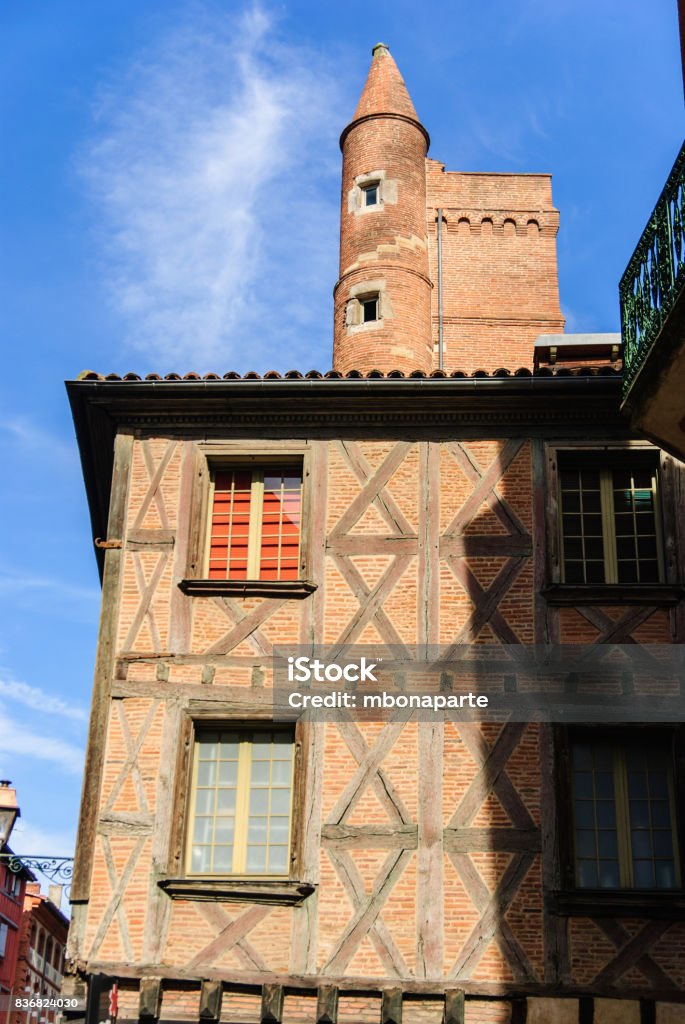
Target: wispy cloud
<point>207,168</point>
<point>23,742</point>
<point>32,438</point>
<point>28,590</point>
<point>37,699</point>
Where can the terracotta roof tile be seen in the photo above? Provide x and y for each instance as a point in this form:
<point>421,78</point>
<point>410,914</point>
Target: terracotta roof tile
<point>233,375</point>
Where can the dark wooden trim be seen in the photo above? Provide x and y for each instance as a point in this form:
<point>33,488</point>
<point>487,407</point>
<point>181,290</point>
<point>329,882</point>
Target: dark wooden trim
<point>519,1011</point>
<point>104,665</point>
<point>586,1010</point>
<point>210,1000</point>
<point>647,1011</point>
<point>564,807</point>
<point>552,746</point>
<point>150,539</point>
<point>272,1004</point>
<point>391,1006</point>
<point>281,892</point>
<point>327,1005</point>
<point>454,1006</point>
<point>662,905</point>
<point>149,998</point>
<point>655,594</point>
<point>473,989</point>
<point>300,797</point>
<point>296,589</point>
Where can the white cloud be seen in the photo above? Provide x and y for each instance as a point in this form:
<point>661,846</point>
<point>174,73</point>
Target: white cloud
<point>37,699</point>
<point>23,742</point>
<point>31,840</point>
<point>215,170</point>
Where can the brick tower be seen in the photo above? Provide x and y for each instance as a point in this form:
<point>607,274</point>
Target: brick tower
<point>383,295</point>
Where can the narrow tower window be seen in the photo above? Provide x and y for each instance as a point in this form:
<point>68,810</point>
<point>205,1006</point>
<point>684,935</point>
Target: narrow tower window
<point>370,197</point>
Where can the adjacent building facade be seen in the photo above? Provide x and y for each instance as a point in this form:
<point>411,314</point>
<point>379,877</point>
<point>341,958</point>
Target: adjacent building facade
<point>462,476</point>
<point>40,960</point>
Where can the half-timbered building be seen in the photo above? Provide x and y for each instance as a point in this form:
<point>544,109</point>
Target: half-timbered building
<point>463,475</point>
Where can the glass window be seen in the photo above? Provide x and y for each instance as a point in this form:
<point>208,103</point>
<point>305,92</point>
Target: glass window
<point>255,523</point>
<point>370,195</point>
<point>609,519</point>
<point>623,814</point>
<point>241,802</point>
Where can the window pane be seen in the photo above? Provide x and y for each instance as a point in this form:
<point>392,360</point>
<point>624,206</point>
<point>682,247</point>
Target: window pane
<point>241,782</point>
<point>609,875</point>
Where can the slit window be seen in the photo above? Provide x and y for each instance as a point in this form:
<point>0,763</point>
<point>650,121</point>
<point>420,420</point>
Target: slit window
<point>255,523</point>
<point>240,820</point>
<point>609,520</point>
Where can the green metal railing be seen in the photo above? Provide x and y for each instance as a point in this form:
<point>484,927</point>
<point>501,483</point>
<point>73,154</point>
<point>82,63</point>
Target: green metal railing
<point>655,275</point>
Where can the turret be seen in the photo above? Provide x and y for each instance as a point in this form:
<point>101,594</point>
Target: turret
<point>383,294</point>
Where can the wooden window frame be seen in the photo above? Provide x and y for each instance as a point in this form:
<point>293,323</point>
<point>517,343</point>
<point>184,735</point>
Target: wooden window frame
<point>670,590</point>
<point>570,900</point>
<point>222,455</point>
<point>287,889</point>
<point>247,734</point>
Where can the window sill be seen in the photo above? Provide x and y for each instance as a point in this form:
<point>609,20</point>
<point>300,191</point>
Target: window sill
<point>613,593</point>
<point>664,904</point>
<point>296,589</point>
<point>279,892</point>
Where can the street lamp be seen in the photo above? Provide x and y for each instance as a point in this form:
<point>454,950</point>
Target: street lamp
<point>9,810</point>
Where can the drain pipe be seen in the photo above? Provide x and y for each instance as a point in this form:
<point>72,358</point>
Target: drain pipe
<point>440,334</point>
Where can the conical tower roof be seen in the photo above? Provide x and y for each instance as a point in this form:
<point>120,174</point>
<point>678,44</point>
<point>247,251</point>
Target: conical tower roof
<point>385,91</point>
<point>384,95</point>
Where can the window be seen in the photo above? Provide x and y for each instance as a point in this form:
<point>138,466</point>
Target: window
<point>3,939</point>
<point>370,194</point>
<point>255,522</point>
<point>624,832</point>
<point>370,309</point>
<point>240,820</point>
<point>609,519</point>
<point>12,883</point>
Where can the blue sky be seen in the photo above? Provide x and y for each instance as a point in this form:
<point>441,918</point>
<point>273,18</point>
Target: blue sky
<point>167,167</point>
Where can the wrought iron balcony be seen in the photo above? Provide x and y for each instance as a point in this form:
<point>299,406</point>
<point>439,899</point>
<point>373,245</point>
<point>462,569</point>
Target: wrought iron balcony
<point>655,276</point>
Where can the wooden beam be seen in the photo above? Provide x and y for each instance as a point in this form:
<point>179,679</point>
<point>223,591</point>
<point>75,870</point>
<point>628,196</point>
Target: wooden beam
<point>430,914</point>
<point>210,1000</point>
<point>519,1011</point>
<point>327,1005</point>
<point>104,665</point>
<point>509,840</point>
<point>149,998</point>
<point>370,837</point>
<point>586,1010</point>
<point>454,1006</point>
<point>478,989</point>
<point>555,929</point>
<point>272,1004</point>
<point>391,1006</point>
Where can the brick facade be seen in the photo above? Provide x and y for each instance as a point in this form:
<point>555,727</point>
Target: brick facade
<point>499,265</point>
<point>428,855</point>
